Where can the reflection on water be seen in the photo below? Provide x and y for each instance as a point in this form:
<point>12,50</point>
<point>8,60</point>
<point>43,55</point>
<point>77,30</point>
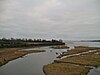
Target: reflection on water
<point>32,64</point>
<point>95,71</point>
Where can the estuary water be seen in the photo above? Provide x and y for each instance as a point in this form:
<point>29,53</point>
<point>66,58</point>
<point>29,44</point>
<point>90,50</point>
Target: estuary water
<point>94,71</point>
<point>32,64</point>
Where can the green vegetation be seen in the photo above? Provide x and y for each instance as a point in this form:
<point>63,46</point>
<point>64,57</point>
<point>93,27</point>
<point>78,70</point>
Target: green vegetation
<point>15,43</point>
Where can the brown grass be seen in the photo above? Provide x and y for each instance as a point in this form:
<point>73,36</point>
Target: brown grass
<point>80,49</point>
<point>75,65</point>
<point>64,69</point>
<point>89,59</point>
<point>8,54</point>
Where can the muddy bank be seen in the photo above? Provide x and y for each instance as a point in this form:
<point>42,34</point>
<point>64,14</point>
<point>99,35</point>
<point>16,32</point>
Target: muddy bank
<point>8,54</point>
<point>79,50</point>
<point>79,64</point>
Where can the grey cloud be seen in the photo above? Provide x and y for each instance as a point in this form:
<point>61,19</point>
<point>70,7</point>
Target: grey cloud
<point>63,19</point>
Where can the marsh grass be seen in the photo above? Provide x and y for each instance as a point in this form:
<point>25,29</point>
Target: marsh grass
<point>80,49</point>
<point>75,65</point>
<point>64,69</point>
<point>90,60</point>
<point>8,54</point>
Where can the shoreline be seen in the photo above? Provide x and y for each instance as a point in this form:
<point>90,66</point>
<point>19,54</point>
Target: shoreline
<point>82,62</point>
<point>9,54</point>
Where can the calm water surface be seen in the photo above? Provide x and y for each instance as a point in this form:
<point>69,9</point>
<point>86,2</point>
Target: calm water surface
<point>95,71</point>
<point>32,64</point>
<point>17,18</point>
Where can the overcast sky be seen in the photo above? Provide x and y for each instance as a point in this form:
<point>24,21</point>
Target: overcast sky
<point>47,19</point>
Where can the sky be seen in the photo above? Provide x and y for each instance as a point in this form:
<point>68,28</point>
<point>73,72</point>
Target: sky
<point>50,19</point>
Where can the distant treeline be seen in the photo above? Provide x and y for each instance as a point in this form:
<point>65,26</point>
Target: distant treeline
<point>12,42</point>
<point>90,40</point>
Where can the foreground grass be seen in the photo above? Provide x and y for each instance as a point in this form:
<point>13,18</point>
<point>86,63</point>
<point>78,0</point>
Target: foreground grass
<point>77,64</point>
<point>88,59</point>
<point>64,69</point>
<point>91,59</point>
<point>8,54</point>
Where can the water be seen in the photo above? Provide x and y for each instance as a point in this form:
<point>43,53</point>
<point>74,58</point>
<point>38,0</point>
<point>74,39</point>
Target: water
<point>94,71</point>
<point>90,44</point>
<point>32,64</point>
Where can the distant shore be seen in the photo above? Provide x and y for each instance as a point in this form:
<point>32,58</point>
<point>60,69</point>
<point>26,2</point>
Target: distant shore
<point>18,43</point>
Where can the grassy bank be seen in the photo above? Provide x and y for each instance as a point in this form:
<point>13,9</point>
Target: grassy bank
<point>64,69</point>
<point>88,60</point>
<point>75,65</point>
<point>78,49</point>
<point>8,54</point>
